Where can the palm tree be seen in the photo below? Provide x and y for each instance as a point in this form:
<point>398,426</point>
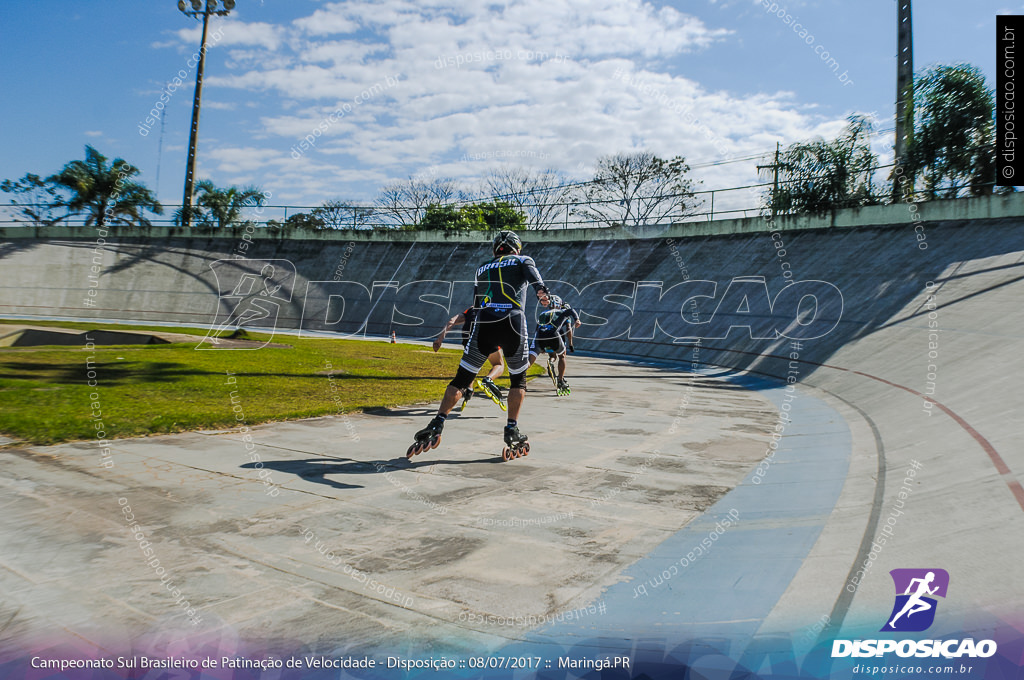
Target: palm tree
<point>106,193</point>
<point>953,144</point>
<point>222,207</point>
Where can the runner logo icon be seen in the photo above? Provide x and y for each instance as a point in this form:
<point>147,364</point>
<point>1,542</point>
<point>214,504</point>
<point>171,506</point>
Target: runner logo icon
<point>916,589</point>
<point>251,294</point>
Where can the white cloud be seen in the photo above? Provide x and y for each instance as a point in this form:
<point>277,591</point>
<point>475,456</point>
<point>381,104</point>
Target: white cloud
<point>229,31</point>
<point>325,22</point>
<point>248,159</point>
<point>424,84</point>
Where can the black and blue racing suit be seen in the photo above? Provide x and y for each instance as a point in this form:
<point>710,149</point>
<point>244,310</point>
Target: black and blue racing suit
<point>498,298</point>
<point>553,326</point>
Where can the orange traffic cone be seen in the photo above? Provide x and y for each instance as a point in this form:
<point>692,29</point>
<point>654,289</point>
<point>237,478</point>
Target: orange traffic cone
<point>393,339</point>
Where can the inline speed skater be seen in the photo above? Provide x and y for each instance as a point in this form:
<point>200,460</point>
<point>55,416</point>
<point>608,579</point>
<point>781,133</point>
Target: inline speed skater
<point>555,327</point>
<point>499,293</point>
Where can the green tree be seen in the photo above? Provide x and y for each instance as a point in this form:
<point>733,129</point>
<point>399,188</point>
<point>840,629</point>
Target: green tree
<point>106,194</point>
<point>444,218</point>
<point>636,189</point>
<point>221,208</point>
<point>474,217</point>
<point>307,221</point>
<point>952,148</point>
<point>821,175</point>
<point>493,216</point>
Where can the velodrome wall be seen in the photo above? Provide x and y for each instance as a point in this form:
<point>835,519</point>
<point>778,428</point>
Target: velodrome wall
<point>746,287</point>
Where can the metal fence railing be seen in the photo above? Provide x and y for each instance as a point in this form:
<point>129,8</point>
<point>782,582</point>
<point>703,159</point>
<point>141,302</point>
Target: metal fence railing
<point>704,205</point>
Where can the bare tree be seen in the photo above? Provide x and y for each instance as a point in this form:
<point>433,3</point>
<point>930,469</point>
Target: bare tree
<point>338,214</point>
<point>637,188</point>
<point>405,202</point>
<point>541,195</point>
<point>38,200</point>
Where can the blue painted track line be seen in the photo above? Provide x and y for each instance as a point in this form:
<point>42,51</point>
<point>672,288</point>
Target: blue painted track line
<point>729,589</point>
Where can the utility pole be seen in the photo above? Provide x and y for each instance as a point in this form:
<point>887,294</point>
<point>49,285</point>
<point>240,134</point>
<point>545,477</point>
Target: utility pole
<point>904,93</point>
<point>774,167</point>
<point>160,145</point>
<point>199,8</point>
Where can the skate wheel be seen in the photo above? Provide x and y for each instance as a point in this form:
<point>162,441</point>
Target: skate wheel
<point>435,440</point>
<point>413,450</point>
<point>526,449</point>
<point>506,454</point>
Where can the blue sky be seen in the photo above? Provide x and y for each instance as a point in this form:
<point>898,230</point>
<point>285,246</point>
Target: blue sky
<point>548,83</point>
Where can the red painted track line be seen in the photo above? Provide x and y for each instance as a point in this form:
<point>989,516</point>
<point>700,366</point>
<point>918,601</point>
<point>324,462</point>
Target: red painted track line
<point>1001,467</point>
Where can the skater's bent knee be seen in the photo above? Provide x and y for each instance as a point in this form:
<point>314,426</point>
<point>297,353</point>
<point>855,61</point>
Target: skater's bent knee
<point>463,379</point>
<point>518,381</point>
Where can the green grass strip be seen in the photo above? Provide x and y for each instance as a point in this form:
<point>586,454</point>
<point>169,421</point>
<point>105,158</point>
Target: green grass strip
<point>45,396</point>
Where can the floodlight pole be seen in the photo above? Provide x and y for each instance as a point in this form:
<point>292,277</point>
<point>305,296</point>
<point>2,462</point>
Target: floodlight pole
<point>209,7</point>
<point>904,94</point>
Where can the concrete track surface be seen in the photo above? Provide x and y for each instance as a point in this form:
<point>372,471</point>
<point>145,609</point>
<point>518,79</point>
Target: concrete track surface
<point>655,506</point>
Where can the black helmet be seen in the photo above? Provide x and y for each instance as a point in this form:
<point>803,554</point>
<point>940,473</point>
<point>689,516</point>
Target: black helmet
<point>507,243</point>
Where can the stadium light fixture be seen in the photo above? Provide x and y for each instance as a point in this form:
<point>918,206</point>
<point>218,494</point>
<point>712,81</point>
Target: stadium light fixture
<point>204,11</point>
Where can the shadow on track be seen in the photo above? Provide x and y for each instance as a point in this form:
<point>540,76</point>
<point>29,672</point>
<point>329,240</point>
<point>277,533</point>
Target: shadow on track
<point>316,470</point>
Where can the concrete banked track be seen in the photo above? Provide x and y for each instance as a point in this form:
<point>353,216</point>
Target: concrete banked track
<point>899,446</point>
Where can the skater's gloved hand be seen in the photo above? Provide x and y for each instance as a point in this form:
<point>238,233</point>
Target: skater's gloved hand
<point>437,344</point>
<point>572,349</point>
